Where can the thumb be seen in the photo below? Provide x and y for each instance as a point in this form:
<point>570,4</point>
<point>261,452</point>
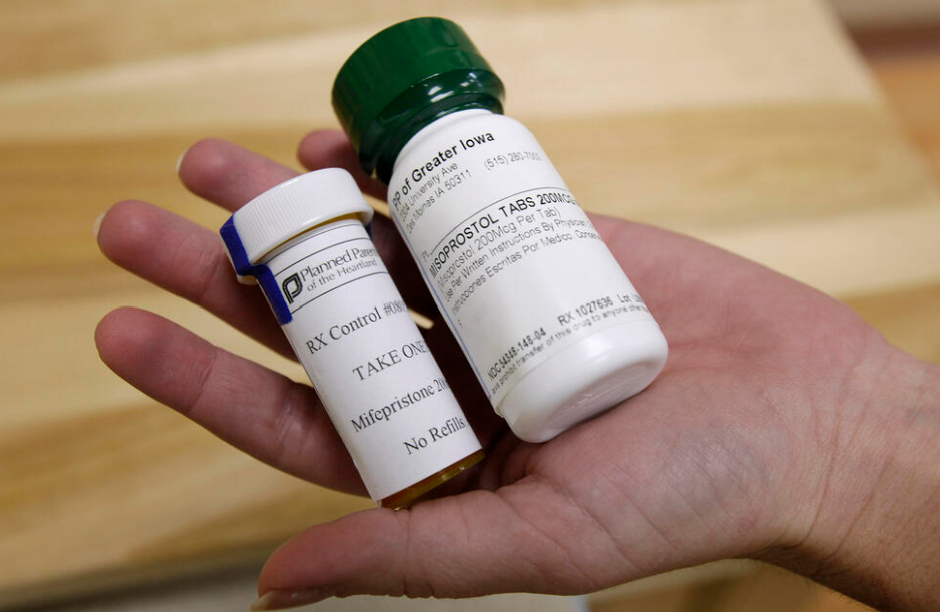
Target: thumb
<point>462,546</point>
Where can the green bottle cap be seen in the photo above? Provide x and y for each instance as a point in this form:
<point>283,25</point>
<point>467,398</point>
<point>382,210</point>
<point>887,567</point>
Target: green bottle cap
<point>402,79</point>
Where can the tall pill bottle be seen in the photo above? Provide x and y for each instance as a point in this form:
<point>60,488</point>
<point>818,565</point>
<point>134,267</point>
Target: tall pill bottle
<point>305,242</point>
<point>551,325</point>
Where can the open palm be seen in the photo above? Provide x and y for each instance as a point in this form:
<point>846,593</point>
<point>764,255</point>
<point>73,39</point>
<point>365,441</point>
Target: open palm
<point>728,453</point>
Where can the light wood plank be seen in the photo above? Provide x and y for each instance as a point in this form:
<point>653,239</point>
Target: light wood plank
<point>750,123</point>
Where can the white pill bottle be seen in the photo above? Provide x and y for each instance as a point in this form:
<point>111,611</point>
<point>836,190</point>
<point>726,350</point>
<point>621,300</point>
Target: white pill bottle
<point>306,244</point>
<point>550,323</point>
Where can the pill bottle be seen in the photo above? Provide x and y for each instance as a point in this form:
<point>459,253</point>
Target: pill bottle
<point>552,327</point>
<point>305,242</point>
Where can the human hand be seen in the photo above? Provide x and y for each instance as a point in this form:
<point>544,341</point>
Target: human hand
<point>783,427</point>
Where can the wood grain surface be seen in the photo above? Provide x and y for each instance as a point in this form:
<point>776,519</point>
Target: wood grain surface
<point>749,123</point>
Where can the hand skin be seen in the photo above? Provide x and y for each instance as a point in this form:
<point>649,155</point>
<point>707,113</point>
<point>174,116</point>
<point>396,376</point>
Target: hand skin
<point>783,428</point>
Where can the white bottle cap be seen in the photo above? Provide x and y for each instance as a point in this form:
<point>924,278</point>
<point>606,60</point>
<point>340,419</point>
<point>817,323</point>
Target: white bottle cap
<point>294,206</point>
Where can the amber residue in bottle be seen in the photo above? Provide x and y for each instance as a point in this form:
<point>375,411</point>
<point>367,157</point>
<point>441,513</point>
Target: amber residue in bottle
<point>406,497</point>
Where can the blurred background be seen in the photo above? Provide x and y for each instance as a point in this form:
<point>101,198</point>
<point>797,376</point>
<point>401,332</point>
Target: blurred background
<point>800,133</point>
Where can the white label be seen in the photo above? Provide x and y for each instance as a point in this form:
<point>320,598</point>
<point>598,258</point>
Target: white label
<point>367,360</point>
<point>515,266</point>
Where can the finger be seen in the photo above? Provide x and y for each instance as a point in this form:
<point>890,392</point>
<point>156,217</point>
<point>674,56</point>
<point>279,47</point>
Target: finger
<point>230,176</point>
<point>468,545</point>
<point>227,174</point>
<point>331,149</point>
<point>187,259</point>
<point>255,409</point>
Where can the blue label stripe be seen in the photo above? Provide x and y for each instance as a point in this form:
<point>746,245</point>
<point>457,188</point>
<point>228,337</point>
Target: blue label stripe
<point>262,273</point>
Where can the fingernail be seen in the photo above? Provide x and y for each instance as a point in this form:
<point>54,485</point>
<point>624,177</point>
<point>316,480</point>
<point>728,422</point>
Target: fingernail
<point>280,600</point>
<point>179,160</point>
<point>97,226</point>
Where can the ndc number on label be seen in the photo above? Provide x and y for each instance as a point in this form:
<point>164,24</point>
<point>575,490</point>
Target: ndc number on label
<point>531,338</point>
<point>526,342</point>
<point>504,360</point>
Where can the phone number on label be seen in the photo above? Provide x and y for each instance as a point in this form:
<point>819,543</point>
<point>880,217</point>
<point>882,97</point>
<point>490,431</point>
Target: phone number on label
<point>511,157</point>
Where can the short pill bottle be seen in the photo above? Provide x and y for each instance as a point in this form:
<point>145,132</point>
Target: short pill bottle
<point>548,320</point>
<point>306,243</point>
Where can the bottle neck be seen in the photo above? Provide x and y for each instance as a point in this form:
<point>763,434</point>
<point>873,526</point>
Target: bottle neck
<point>443,122</point>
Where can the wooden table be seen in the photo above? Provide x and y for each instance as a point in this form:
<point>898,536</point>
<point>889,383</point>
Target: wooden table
<point>748,123</point>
